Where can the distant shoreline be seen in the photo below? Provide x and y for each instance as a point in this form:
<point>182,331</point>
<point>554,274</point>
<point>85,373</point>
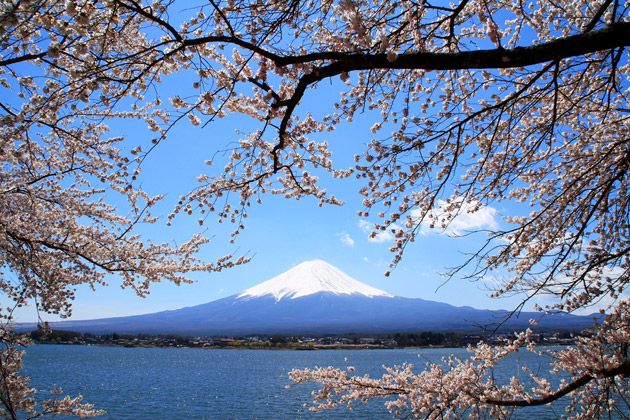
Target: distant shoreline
<point>425,339</point>
<point>245,347</point>
<point>357,347</point>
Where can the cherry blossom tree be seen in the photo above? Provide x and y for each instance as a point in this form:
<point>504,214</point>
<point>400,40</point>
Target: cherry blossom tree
<point>474,103</point>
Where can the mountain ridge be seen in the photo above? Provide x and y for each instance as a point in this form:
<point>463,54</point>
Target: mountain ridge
<point>317,298</point>
<point>310,277</point>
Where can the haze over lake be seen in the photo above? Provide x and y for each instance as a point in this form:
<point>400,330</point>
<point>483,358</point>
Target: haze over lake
<point>167,383</point>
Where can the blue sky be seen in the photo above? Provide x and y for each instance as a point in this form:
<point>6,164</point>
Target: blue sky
<point>281,233</point>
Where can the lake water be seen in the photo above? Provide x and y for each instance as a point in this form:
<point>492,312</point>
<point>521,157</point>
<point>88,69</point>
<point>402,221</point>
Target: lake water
<point>181,383</point>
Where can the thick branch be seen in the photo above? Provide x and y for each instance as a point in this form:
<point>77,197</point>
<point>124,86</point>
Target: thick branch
<point>612,36</point>
<point>622,370</point>
<point>21,58</point>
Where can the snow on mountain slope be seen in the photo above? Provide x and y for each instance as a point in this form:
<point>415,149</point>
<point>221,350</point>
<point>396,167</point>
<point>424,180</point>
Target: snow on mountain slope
<point>308,278</point>
<point>345,306</point>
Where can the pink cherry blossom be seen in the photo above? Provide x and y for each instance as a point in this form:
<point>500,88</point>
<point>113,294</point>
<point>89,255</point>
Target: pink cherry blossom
<point>474,103</point>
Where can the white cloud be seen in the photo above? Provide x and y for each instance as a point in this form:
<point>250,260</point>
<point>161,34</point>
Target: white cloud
<point>494,282</point>
<point>605,304</point>
<point>468,219</point>
<point>346,239</point>
<point>365,226</point>
<point>551,295</point>
<point>382,236</point>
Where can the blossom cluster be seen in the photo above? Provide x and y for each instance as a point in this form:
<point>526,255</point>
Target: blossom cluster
<point>597,374</point>
<point>474,103</point>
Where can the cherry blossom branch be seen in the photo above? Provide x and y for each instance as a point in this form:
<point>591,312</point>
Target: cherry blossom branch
<point>22,58</point>
<point>622,370</point>
<point>616,35</point>
<point>612,36</point>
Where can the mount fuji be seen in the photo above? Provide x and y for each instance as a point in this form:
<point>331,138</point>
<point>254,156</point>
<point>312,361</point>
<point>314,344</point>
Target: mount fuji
<point>310,278</point>
<point>316,298</point>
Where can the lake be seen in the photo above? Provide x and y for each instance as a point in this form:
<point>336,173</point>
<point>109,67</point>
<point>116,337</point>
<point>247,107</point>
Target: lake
<point>183,383</point>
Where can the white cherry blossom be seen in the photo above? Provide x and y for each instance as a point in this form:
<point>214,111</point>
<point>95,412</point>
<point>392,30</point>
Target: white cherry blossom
<point>474,103</point>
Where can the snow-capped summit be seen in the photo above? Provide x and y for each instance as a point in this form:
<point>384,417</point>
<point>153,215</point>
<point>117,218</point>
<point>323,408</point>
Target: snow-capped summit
<point>311,277</point>
<point>317,298</point>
